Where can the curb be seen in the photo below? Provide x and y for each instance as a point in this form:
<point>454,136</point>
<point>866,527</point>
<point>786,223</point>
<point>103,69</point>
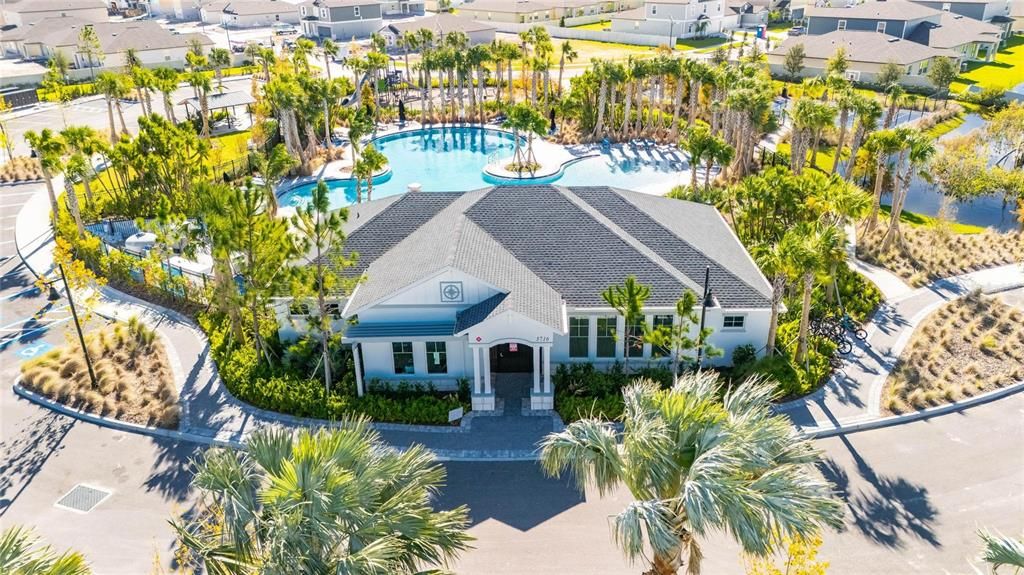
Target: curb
<point>821,433</point>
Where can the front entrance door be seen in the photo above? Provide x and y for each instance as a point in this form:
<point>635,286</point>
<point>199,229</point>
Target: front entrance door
<point>511,358</point>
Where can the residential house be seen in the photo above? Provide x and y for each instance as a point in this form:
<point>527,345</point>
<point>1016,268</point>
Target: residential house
<point>507,280</point>
<point>540,11</point>
<point>747,13</point>
<point>402,8</point>
<point>177,9</point>
<point>153,45</point>
<point>867,53</point>
<point>249,13</point>
<point>973,40</point>
<point>23,12</point>
<point>441,25</point>
<point>341,19</point>
<point>676,18</point>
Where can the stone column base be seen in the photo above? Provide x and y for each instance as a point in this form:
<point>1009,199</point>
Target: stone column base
<point>483,402</point>
<point>542,401</point>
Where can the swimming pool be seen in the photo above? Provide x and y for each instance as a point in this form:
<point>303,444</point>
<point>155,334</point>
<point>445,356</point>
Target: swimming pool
<point>452,160</point>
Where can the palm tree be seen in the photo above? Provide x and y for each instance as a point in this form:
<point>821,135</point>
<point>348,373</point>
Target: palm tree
<point>696,143</point>
<point>337,501</point>
<point>301,53</point>
<point>272,166</point>
<point>880,146</point>
<point>920,149</point>
<point>846,101</point>
<point>628,300</point>
<point>869,110</point>
<point>219,58</point>
<point>566,54</point>
<point>773,262</point>
<point>807,248</point>
<point>370,163</point>
<point>719,152</point>
<point>1001,550</point>
<point>523,118</point>
<point>894,93</point>
<point>113,88</point>
<point>21,554</point>
<point>167,82</point>
<point>686,457</point>
<point>200,82</point>
<point>86,142</point>
<point>331,50</point>
<point>697,73</point>
<point>49,148</point>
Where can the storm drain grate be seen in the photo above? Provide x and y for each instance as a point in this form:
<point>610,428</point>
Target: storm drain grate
<point>82,498</point>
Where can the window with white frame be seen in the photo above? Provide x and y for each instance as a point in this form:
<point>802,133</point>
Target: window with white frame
<point>880,28</point>
<point>736,322</point>
<point>946,6</point>
<point>654,9</point>
<point>323,13</point>
<point>355,12</point>
<point>661,323</point>
<point>401,353</point>
<point>579,336</point>
<point>302,10</point>
<point>298,309</point>
<point>635,337</point>
<point>437,357</point>
<point>841,25</point>
<point>606,337</point>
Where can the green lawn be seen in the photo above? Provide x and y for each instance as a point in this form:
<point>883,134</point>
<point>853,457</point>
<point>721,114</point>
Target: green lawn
<point>780,26</point>
<point>923,221</point>
<point>696,43</point>
<point>1005,72</point>
<point>599,26</point>
<point>944,127</point>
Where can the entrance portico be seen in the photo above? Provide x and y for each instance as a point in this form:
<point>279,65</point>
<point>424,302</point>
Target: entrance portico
<point>496,357</point>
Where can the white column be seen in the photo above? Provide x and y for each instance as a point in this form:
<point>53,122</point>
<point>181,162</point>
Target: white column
<point>357,360</point>
<point>487,369</point>
<point>536,368</point>
<point>477,389</point>
<point>547,369</point>
<point>620,340</point>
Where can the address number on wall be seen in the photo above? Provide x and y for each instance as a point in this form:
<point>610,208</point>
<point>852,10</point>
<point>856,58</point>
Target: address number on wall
<point>543,339</point>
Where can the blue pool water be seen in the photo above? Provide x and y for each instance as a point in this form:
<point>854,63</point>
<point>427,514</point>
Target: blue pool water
<point>452,160</point>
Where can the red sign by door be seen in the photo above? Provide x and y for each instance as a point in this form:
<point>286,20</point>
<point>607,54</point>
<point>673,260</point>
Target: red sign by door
<point>513,347</point>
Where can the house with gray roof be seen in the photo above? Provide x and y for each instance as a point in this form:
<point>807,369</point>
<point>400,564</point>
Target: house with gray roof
<point>341,19</point>
<point>509,279</point>
<point>441,25</point>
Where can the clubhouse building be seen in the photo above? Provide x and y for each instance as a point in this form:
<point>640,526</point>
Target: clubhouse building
<point>508,279</point>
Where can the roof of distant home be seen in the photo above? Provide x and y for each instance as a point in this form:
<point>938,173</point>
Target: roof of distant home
<point>253,7</point>
<point>440,24</point>
<point>220,100</point>
<point>114,37</point>
<point>547,247</point>
<point>344,3</point>
<point>875,9</point>
<point>865,46</point>
<point>30,6</point>
<point>516,7</point>
<point>955,30</point>
<point>747,6</point>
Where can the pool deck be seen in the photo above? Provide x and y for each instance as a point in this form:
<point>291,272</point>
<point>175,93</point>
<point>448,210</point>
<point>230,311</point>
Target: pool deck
<point>552,159</point>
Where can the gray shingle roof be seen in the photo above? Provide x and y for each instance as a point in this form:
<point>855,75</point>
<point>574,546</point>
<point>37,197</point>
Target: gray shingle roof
<point>875,9</point>
<point>410,329</point>
<point>543,248</point>
<point>954,30</point>
<point>440,24</point>
<point>862,46</point>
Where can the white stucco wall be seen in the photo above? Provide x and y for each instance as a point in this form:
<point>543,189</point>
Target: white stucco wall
<point>378,362</point>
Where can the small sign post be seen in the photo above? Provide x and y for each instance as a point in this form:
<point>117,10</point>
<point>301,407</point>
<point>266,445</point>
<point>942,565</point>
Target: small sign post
<point>455,415</point>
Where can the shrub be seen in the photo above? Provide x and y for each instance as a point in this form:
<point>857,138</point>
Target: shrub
<point>743,356</point>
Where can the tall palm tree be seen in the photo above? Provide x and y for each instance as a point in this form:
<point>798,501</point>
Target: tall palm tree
<point>336,501</point>
<point>807,248</point>
<point>200,82</point>
<point>219,58</point>
<point>880,145</point>
<point>628,300</point>
<point>22,554</point>
<point>272,167</point>
<point>720,153</point>
<point>686,455</point>
<point>370,163</point>
<point>566,54</point>
<point>846,102</point>
<point>698,73</point>
<point>86,142</point>
<point>113,88</point>
<point>920,149</point>
<point>697,142</point>
<point>49,148</point>
<point>773,262</point>
<point>167,83</point>
<point>522,118</point>
<point>331,51</point>
<point>301,53</point>
<point>869,111</point>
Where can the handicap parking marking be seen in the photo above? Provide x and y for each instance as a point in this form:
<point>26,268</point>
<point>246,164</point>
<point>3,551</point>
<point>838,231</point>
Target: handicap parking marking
<point>36,349</point>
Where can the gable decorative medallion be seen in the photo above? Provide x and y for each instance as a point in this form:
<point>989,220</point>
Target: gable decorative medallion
<point>451,292</point>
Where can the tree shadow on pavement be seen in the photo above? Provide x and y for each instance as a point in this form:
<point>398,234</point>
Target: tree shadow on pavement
<point>515,493</point>
<point>23,455</point>
<point>888,510</point>
<point>171,475</point>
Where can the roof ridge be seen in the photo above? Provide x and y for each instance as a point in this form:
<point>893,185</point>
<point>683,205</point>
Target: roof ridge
<point>634,242</point>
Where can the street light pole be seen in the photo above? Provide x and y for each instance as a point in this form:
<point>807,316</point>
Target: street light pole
<point>708,300</point>
<point>78,326</point>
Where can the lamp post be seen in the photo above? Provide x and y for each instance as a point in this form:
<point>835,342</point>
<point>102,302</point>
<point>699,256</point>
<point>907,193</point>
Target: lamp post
<point>709,300</point>
<point>78,326</point>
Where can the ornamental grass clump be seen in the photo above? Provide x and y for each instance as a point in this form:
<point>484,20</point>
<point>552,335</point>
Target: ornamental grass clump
<point>968,346</point>
<point>134,381</point>
<point>925,254</point>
